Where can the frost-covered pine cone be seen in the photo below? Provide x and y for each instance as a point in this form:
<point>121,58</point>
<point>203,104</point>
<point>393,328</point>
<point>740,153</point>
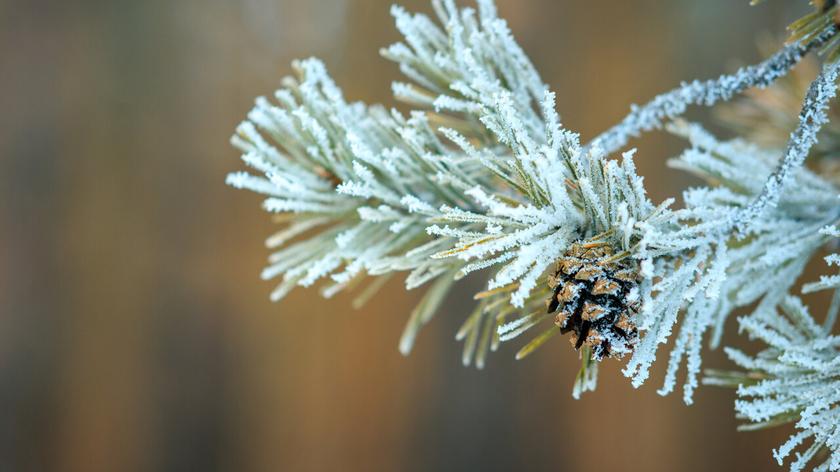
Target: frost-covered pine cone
<point>596,297</point>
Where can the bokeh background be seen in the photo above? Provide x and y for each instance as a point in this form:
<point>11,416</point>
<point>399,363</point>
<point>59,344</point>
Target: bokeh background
<point>135,334</point>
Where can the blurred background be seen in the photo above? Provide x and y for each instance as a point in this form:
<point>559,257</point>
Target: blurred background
<point>135,333</point>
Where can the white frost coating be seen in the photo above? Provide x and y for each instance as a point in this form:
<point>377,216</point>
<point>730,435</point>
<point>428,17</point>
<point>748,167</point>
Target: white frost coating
<point>801,383</point>
<point>531,234</point>
<point>812,117</point>
<point>464,65</point>
<point>485,178</point>
<point>673,104</point>
<point>327,161</point>
<point>719,279</point>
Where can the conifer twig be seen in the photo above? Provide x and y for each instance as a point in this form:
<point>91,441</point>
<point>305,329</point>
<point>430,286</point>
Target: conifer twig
<point>812,117</point>
<point>707,93</point>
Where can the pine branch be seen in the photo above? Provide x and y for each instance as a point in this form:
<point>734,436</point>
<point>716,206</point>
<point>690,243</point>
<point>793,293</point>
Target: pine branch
<point>483,177</point>
<point>795,380</point>
<point>705,276</point>
<point>673,104</point>
<point>346,176</point>
<point>812,117</point>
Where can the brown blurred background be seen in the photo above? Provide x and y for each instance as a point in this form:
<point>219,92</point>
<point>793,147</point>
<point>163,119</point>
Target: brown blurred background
<point>135,334</point>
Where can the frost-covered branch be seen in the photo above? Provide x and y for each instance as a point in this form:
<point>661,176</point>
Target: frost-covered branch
<point>812,117</point>
<point>464,66</point>
<point>795,380</point>
<point>347,178</point>
<point>705,276</point>
<point>673,104</point>
<point>482,177</point>
<point>828,282</point>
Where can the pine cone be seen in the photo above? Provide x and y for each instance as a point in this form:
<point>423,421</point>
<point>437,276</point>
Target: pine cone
<point>597,299</point>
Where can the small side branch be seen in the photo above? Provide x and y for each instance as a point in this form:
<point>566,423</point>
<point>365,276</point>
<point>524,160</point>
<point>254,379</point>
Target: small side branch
<point>674,103</point>
<point>811,119</point>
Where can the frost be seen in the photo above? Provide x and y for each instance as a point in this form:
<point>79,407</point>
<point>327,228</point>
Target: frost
<point>481,179</point>
<point>812,117</point>
<point>350,169</point>
<point>722,275</point>
<point>799,383</point>
<point>673,104</point>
